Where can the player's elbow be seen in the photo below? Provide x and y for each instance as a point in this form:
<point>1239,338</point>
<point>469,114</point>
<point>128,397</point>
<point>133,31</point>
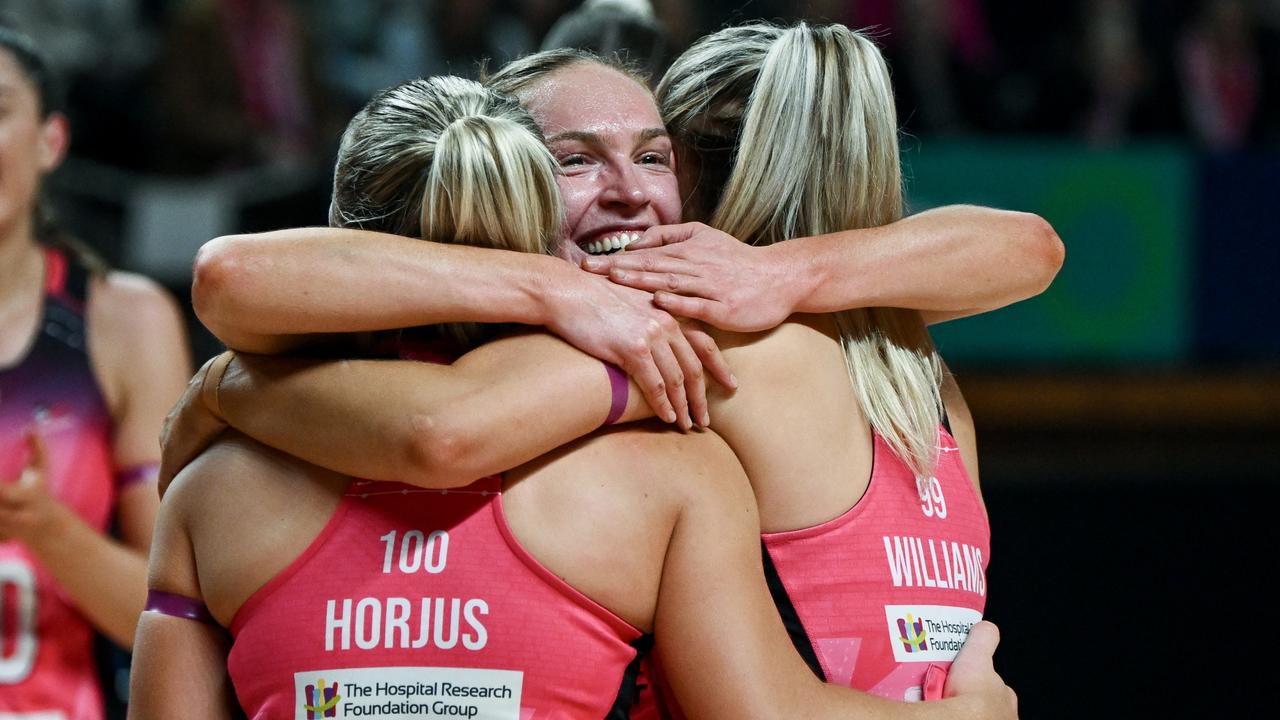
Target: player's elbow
<point>219,265</point>
<point>1044,251</point>
<point>440,451</point>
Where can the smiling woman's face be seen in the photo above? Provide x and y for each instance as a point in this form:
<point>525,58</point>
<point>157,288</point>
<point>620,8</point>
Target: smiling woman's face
<point>618,168</point>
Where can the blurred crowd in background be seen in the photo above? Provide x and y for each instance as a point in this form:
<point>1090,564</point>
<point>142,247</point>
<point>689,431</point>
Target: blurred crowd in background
<point>190,87</point>
<point>194,118</point>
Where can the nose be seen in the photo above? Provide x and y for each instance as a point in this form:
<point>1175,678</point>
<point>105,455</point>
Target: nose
<point>624,188</point>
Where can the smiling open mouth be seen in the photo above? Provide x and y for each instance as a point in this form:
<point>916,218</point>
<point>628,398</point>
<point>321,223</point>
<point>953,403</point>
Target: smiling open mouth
<point>610,244</point>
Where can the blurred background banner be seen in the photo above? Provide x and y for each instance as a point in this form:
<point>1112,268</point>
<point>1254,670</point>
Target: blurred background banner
<point>1125,294</point>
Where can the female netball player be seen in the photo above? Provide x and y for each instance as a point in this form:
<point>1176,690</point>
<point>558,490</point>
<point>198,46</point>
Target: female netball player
<point>526,595</point>
<point>90,360</point>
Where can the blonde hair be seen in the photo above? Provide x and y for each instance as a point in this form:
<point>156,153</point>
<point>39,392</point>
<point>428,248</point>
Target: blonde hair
<point>447,159</point>
<point>520,74</point>
<point>805,123</point>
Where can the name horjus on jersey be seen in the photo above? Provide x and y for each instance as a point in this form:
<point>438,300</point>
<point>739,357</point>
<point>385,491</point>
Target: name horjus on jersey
<point>373,622</point>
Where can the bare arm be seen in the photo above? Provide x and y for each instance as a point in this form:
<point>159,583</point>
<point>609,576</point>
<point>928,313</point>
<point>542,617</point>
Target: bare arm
<point>257,293</point>
<point>179,665</point>
<point>266,293</point>
<point>731,658</point>
<point>497,407</point>
<point>947,262</point>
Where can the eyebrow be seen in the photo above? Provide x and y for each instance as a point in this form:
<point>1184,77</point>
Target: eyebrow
<point>643,136</point>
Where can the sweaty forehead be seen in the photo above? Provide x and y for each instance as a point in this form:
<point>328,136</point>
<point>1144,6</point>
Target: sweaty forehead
<point>590,97</point>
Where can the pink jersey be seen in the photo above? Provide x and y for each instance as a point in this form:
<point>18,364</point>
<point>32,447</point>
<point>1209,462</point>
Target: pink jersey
<point>421,603</point>
<point>878,595</point>
<point>46,646</point>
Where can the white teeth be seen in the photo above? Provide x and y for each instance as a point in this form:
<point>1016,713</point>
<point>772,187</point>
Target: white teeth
<point>612,243</point>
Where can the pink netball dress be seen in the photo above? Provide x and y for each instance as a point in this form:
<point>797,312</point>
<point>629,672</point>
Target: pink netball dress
<point>419,603</point>
<point>881,598</point>
<point>47,668</point>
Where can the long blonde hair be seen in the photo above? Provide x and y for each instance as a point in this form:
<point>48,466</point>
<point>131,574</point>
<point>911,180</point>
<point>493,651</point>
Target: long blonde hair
<point>447,159</point>
<point>797,133</point>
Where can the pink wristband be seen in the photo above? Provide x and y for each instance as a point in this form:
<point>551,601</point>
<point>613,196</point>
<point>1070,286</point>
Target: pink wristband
<point>179,606</point>
<point>621,389</point>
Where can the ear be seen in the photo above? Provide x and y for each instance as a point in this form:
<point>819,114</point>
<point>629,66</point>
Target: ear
<point>55,137</point>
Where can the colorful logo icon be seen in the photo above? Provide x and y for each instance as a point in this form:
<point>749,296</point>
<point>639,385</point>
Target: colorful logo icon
<point>320,701</point>
<point>912,635</point>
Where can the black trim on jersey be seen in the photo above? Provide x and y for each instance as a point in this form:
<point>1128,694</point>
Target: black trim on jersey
<point>64,320</point>
<point>790,618</point>
<point>629,689</point>
<point>77,280</point>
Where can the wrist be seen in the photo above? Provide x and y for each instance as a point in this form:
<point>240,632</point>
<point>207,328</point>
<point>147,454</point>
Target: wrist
<point>637,407</point>
<point>558,292</point>
<point>51,530</point>
<point>553,284</point>
<point>800,274</point>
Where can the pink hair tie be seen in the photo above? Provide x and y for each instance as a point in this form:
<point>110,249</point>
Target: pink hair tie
<point>620,388</point>
<point>179,606</point>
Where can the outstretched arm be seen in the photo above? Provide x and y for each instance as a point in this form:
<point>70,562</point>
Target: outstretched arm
<point>259,293</point>
<point>496,407</point>
<point>948,262</point>
<point>267,293</point>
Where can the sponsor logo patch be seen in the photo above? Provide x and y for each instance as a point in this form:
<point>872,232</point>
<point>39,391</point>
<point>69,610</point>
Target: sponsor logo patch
<point>393,693</point>
<point>928,633</point>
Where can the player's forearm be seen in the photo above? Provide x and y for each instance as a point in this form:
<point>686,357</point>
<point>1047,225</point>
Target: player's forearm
<point>429,425</point>
<point>948,262</point>
<point>250,290</point>
<point>103,578</point>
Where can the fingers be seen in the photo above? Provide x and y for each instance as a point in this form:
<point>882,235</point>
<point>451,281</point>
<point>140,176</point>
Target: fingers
<point>673,377</point>
<point>660,235</point>
<point>164,477</point>
<point>677,281</point>
<point>626,267</point>
<point>713,362</point>
<point>695,308</point>
<point>695,383</point>
<point>37,462</point>
<point>645,373</point>
<point>983,638</point>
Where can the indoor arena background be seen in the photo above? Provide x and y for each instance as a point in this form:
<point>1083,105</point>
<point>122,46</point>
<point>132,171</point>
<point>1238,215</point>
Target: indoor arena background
<point>1127,418</point>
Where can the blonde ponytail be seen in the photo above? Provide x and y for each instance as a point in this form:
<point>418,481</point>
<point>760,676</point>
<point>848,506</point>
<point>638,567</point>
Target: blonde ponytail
<point>809,113</point>
<point>447,159</point>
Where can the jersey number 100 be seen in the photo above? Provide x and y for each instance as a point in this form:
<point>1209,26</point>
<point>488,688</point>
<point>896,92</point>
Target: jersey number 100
<point>428,552</point>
